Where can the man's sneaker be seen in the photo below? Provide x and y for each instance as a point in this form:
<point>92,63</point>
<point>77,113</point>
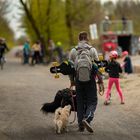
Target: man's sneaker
<point>81,128</point>
<point>87,126</point>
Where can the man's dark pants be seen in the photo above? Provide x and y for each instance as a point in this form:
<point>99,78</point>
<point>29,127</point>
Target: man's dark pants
<point>86,94</point>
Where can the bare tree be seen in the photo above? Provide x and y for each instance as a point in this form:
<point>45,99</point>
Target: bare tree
<point>36,25</point>
<point>5,30</point>
<point>48,19</point>
<point>31,19</point>
<point>33,23</point>
<point>68,15</point>
<point>79,14</point>
<point>129,9</point>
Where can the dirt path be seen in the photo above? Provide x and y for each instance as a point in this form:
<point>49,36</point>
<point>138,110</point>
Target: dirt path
<point>23,89</point>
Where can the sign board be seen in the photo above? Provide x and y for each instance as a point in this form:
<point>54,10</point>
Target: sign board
<point>93,31</point>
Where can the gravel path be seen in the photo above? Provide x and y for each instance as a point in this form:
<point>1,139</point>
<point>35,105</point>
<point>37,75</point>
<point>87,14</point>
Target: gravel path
<point>23,89</point>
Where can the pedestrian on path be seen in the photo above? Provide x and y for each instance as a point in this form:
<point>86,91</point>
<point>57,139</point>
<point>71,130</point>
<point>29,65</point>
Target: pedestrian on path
<point>36,49</point>
<point>127,63</point>
<point>85,83</point>
<point>113,70</point>
<point>26,52</point>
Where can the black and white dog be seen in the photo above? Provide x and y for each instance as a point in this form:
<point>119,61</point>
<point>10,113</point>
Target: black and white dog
<point>62,98</point>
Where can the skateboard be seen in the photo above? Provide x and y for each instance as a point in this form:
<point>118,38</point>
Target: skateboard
<point>65,68</point>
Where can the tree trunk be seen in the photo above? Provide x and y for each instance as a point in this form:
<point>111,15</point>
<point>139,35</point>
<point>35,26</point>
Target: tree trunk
<point>34,26</point>
<point>48,20</point>
<point>69,21</point>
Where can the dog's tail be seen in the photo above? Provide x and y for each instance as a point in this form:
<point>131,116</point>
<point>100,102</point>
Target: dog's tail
<point>49,107</point>
<point>58,113</point>
<point>52,106</point>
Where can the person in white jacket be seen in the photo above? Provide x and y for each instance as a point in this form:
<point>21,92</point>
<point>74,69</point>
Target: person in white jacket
<point>86,92</point>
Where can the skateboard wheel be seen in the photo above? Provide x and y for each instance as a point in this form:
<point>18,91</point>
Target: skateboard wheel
<point>55,63</point>
<point>102,70</point>
<point>66,62</point>
<point>56,76</point>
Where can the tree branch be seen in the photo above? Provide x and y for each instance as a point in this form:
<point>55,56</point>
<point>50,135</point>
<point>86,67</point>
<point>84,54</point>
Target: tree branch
<point>31,19</point>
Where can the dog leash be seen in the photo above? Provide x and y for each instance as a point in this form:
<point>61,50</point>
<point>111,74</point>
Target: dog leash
<point>100,83</point>
<point>73,105</point>
<point>101,89</point>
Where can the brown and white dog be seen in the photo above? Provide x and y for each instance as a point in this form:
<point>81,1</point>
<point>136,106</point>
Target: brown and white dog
<point>61,118</point>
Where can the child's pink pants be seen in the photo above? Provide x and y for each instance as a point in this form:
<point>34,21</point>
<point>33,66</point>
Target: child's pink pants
<point>117,84</point>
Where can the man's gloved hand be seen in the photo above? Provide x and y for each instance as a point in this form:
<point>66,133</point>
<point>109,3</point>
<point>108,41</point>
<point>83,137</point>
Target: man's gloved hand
<point>72,83</point>
<point>101,87</point>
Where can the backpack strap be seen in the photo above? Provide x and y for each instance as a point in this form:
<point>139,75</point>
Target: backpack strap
<point>80,49</point>
<point>87,47</point>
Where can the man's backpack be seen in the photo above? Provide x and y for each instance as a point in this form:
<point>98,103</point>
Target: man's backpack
<point>83,64</point>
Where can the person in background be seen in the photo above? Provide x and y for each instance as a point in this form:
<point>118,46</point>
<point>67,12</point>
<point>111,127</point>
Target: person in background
<point>42,52</point>
<point>113,69</point>
<point>36,49</point>
<point>26,52</point>
<point>119,51</point>
<point>127,63</point>
<point>59,50</point>
<point>124,23</point>
<point>3,47</point>
<point>106,24</point>
<point>51,48</point>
